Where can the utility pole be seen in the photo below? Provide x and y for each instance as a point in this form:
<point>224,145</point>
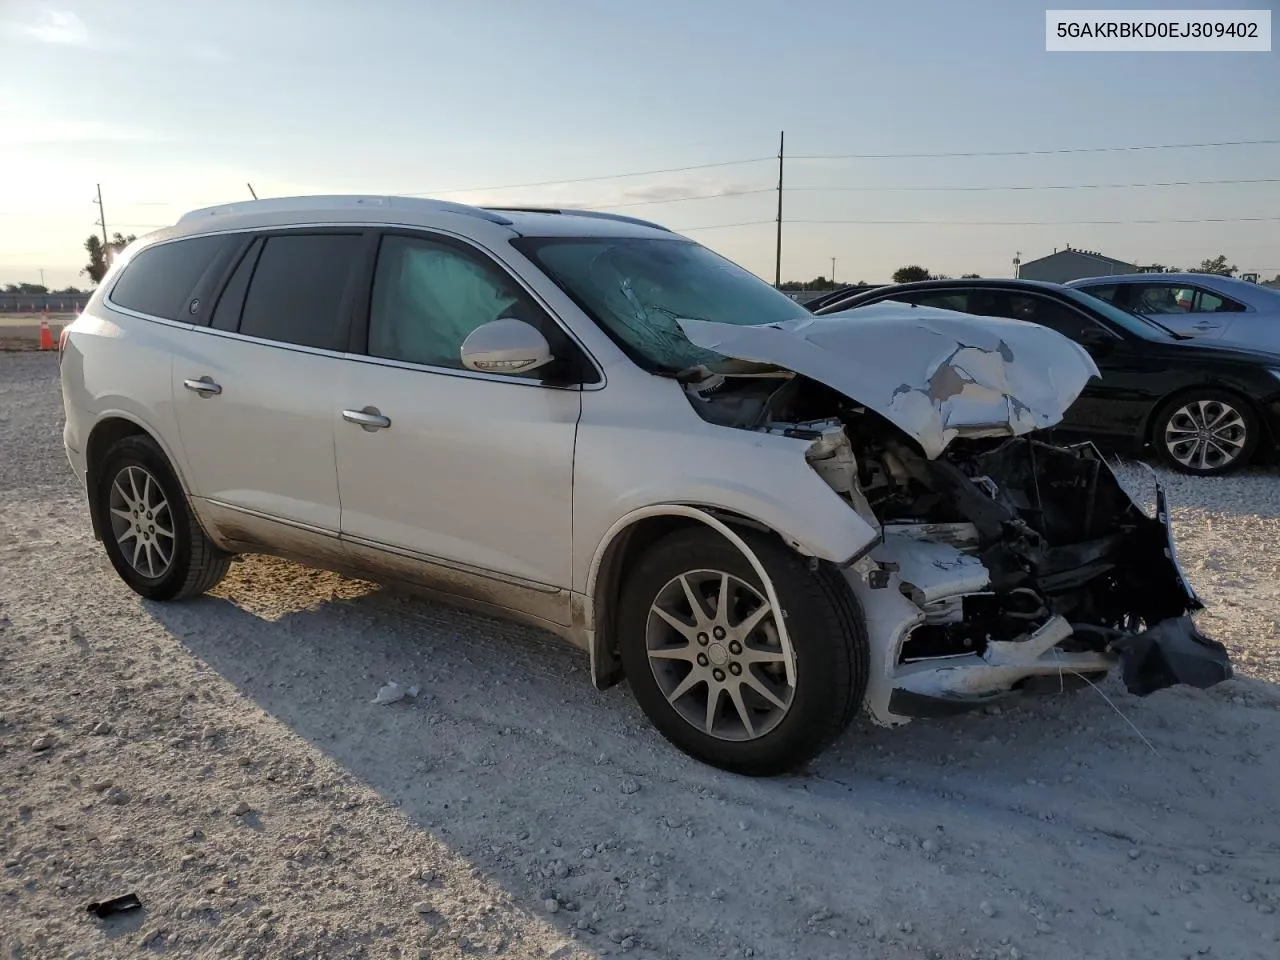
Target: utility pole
<point>102,218</point>
<point>42,278</point>
<point>777,269</point>
<point>833,271</point>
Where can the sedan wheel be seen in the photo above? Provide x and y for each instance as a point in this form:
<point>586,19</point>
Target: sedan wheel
<point>715,653</point>
<point>1207,434</point>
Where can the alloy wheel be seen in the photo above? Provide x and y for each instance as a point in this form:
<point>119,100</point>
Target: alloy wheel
<point>142,522</point>
<point>716,654</point>
<point>1206,435</point>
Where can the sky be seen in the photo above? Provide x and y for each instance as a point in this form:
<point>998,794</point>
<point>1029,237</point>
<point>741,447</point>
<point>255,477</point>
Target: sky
<point>176,104</point>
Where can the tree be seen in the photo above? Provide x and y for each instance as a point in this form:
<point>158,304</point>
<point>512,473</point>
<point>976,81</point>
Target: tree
<point>910,274</point>
<point>971,276</point>
<point>1217,265</point>
<point>101,255</point>
<point>96,268</point>
<point>818,283</point>
<point>25,288</point>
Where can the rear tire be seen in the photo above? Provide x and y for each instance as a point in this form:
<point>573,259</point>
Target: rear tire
<point>151,536</point>
<point>1206,433</point>
<point>761,724</point>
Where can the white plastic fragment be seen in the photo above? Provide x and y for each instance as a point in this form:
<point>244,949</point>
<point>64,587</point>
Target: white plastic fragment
<point>392,691</point>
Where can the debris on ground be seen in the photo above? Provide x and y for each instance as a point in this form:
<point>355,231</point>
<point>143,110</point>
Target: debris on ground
<point>105,908</point>
<point>392,691</point>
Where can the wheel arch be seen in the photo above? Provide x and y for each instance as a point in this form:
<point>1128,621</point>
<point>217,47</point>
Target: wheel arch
<point>110,429</point>
<point>623,544</point>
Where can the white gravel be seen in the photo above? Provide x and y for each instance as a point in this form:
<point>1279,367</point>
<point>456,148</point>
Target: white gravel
<point>224,760</point>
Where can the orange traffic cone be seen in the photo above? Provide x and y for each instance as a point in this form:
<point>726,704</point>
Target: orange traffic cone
<point>46,335</point>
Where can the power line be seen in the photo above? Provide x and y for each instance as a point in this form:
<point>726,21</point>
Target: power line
<point>811,188</point>
<point>848,156</point>
<point>1033,153</point>
<point>707,196</point>
<point>857,156</point>
<point>1057,186</point>
<point>724,226</point>
<point>840,189</point>
<point>815,188</point>
<point>871,223</point>
<point>611,176</point>
<point>1034,223</point>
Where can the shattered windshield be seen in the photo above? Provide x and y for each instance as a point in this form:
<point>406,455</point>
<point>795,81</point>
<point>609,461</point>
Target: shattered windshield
<point>638,289</point>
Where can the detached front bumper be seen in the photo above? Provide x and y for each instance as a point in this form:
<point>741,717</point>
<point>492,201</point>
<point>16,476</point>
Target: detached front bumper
<point>922,574</point>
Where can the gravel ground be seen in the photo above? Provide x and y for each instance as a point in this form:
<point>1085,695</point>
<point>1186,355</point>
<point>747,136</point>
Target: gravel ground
<point>223,760</point>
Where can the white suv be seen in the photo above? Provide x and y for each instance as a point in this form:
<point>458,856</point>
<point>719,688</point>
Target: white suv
<point>762,519</point>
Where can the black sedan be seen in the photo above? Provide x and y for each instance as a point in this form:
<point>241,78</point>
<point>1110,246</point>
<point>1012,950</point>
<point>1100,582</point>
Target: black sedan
<point>1207,408</point>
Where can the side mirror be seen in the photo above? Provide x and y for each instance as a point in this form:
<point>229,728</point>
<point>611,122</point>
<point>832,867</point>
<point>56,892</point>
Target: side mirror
<point>507,345</point>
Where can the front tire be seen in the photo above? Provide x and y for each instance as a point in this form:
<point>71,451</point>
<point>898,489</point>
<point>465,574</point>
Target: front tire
<point>1206,433</point>
<point>705,661</point>
<point>151,536</point>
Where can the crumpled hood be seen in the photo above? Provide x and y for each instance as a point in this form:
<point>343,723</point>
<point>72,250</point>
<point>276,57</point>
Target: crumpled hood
<point>935,374</point>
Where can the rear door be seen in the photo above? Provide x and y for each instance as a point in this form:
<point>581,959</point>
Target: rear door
<point>130,365</point>
<point>254,385</point>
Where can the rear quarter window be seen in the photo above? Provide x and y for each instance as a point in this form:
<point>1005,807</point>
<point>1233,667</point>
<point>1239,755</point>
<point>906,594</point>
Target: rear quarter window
<point>158,280</point>
<point>1210,301</point>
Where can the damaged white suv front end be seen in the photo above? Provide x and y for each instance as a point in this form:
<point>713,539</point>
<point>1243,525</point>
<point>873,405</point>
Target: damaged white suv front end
<point>1003,563</point>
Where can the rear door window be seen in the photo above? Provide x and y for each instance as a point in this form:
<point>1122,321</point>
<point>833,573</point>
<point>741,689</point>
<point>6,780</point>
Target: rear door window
<point>297,294</point>
<point>159,279</point>
<point>1050,313</point>
<point>957,300</point>
<point>990,303</point>
<point>1110,292</point>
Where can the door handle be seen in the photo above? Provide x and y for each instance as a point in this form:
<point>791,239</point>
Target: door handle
<point>369,419</point>
<point>204,386</point>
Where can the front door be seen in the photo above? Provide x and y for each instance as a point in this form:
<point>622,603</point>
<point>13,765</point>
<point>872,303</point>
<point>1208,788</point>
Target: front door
<point>1183,308</point>
<point>470,474</point>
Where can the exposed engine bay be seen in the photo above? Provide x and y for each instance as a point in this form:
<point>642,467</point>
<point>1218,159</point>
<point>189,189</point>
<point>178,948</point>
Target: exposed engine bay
<point>1005,562</point>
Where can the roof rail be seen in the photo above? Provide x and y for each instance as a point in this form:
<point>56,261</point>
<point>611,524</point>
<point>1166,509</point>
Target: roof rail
<point>595,214</point>
<point>304,204</point>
